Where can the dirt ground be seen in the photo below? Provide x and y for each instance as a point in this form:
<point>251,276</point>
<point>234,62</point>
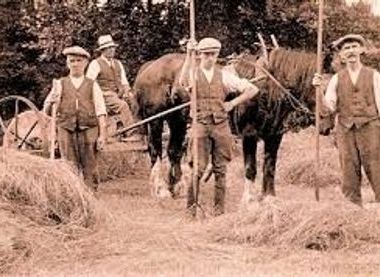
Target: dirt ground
<point>146,237</point>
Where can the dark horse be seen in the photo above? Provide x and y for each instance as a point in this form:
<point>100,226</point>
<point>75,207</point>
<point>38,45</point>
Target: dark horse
<point>156,91</point>
<point>276,111</point>
<point>267,117</point>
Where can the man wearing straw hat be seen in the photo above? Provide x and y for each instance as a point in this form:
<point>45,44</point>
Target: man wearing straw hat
<point>81,113</point>
<point>212,129</point>
<point>354,95</point>
<point>110,74</point>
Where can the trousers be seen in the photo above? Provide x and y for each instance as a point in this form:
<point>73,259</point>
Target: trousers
<point>79,148</point>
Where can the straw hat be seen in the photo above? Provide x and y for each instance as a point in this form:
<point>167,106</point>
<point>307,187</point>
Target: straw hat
<point>105,41</point>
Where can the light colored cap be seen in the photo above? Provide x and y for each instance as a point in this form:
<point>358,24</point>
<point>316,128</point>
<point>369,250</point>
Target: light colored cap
<point>105,41</point>
<point>77,51</point>
<point>209,45</point>
<point>337,44</point>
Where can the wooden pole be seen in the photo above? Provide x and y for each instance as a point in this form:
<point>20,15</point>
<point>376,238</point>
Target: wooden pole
<point>194,108</point>
<point>318,97</point>
<point>151,118</point>
<point>53,132</point>
<point>16,118</point>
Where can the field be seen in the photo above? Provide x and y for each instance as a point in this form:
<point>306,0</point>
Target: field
<point>290,235</point>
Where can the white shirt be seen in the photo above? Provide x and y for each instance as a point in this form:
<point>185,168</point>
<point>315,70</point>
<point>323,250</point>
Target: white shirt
<point>94,69</point>
<point>55,95</point>
<point>230,81</point>
<point>330,99</point>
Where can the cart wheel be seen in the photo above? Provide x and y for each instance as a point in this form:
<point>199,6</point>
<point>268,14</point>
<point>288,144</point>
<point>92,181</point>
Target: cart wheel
<point>27,130</point>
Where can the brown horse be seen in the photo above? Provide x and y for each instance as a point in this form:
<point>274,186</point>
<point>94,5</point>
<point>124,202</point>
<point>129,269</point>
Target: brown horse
<point>156,91</point>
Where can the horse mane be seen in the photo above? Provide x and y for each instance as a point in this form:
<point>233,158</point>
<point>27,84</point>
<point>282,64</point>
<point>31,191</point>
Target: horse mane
<point>245,66</point>
<point>294,69</point>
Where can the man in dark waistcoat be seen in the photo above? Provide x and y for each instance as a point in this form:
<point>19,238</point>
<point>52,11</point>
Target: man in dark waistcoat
<point>212,129</point>
<point>81,113</point>
<point>110,74</point>
<point>354,95</point>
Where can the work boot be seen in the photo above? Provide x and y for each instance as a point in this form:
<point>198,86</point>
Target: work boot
<point>220,194</point>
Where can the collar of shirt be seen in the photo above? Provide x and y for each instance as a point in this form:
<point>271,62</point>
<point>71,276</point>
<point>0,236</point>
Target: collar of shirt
<point>208,73</point>
<point>109,62</point>
<point>354,74</point>
<point>77,81</point>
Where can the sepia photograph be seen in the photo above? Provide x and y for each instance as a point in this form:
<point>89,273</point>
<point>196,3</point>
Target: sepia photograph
<point>190,138</point>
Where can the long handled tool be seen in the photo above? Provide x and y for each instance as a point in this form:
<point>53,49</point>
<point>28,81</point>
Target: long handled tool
<point>194,109</point>
<point>317,97</point>
<point>53,133</point>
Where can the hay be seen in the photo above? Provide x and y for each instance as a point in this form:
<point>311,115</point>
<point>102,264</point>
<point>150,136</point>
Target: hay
<point>297,166</point>
<point>43,204</point>
<point>308,225</point>
<point>48,192</point>
<point>119,160</point>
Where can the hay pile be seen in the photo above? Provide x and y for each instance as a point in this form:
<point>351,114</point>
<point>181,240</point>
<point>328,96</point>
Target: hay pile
<point>119,159</point>
<point>293,224</point>
<point>297,160</point>
<point>42,203</point>
<point>48,192</point>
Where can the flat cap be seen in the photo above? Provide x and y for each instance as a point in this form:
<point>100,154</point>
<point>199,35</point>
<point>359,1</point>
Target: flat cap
<point>77,51</point>
<point>209,45</point>
<point>337,44</point>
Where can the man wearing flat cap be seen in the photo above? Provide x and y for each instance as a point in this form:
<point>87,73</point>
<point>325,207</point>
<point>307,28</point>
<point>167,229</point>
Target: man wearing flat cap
<point>353,93</point>
<point>110,74</point>
<point>81,113</point>
<point>212,129</point>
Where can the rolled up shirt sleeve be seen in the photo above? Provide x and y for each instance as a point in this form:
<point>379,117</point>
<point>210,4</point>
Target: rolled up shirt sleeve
<point>330,98</point>
<point>93,70</point>
<point>234,83</point>
<point>100,106</point>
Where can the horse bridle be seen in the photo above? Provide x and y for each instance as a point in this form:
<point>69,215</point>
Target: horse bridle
<point>295,103</point>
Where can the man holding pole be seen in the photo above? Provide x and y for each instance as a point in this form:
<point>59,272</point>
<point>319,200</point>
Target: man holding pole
<point>354,95</point>
<point>211,128</point>
<point>81,114</point>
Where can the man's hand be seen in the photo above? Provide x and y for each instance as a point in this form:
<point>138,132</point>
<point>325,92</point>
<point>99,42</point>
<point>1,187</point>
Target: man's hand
<point>128,94</point>
<point>191,46</point>
<point>228,106</point>
<point>317,80</point>
<point>100,143</point>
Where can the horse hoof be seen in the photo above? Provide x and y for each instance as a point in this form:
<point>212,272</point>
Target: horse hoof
<point>163,193</point>
<point>250,193</point>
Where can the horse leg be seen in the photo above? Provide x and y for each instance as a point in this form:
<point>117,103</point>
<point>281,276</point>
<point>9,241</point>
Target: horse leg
<point>249,152</point>
<point>155,140</point>
<point>271,147</point>
<point>177,126</point>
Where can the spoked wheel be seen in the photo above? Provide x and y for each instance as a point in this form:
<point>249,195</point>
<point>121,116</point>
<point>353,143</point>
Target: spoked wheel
<point>27,130</point>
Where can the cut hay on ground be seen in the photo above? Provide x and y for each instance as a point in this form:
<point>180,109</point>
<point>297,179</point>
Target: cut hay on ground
<point>297,161</point>
<point>48,192</point>
<point>43,203</point>
<point>319,226</point>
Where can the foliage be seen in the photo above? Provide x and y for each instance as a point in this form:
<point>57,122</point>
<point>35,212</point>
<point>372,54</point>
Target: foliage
<point>32,40</point>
